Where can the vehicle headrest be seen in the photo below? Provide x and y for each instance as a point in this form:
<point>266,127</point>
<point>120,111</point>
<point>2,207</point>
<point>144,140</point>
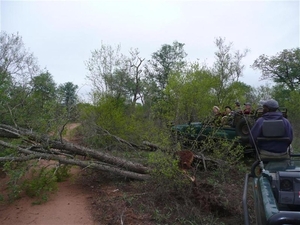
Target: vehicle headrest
<point>273,128</point>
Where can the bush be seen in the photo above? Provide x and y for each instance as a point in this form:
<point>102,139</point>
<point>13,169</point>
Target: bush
<point>38,183</point>
<point>42,182</point>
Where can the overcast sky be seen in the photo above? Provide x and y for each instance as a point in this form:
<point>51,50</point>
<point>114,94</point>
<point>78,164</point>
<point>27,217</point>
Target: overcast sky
<point>62,34</point>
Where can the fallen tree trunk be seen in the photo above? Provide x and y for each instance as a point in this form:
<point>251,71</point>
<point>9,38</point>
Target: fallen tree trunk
<point>42,146</point>
<point>37,146</point>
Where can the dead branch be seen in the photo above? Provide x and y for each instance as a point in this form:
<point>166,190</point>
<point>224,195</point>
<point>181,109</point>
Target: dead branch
<point>29,155</point>
<point>132,145</point>
<point>43,146</point>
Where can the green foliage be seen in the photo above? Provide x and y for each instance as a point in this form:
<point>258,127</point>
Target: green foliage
<point>37,182</point>
<point>190,97</point>
<point>62,172</point>
<point>167,178</point>
<point>116,117</point>
<point>5,88</point>
<point>42,182</point>
<point>187,96</point>
<point>227,150</point>
<point>68,98</point>
<point>227,69</point>
<point>168,59</point>
<point>283,68</point>
<point>43,89</point>
<point>17,109</point>
<point>163,165</point>
<point>16,172</point>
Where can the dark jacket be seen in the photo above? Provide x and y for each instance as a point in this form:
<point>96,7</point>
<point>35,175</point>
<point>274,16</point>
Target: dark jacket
<point>271,146</point>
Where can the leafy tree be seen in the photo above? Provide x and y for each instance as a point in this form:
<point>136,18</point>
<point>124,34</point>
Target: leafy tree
<point>293,105</point>
<point>263,92</point>
<point>5,88</point>
<point>168,59</point>
<point>126,82</point>
<point>39,104</point>
<point>136,76</point>
<point>238,91</point>
<point>68,97</point>
<point>43,89</point>
<point>15,60</point>
<point>12,105</point>
<point>281,93</point>
<point>102,65</point>
<point>283,68</point>
<point>227,68</point>
<point>116,74</point>
<point>187,96</point>
<point>17,68</point>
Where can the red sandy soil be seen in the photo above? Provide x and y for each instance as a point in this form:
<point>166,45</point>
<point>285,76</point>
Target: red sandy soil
<point>70,205</point>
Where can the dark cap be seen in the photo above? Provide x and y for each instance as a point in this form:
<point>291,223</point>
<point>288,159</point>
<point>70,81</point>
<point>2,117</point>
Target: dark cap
<point>247,103</point>
<point>237,103</point>
<point>273,104</point>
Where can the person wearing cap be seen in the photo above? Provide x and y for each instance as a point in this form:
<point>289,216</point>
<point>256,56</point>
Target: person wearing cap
<point>270,112</point>
<point>217,115</point>
<point>247,109</point>
<point>228,111</point>
<point>216,110</point>
<point>237,106</point>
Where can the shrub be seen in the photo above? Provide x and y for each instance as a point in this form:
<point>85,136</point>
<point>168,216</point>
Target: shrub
<point>42,182</point>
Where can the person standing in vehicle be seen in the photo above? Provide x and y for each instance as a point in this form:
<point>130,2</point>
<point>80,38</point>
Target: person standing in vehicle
<point>270,112</point>
<point>237,107</point>
<point>216,111</point>
<point>228,111</point>
<point>217,115</point>
<point>248,109</point>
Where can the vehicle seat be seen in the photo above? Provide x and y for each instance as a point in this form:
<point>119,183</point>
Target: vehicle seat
<point>274,130</point>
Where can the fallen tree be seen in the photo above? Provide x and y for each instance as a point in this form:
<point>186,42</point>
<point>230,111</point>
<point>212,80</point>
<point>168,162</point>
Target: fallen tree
<point>36,146</point>
<point>42,146</point>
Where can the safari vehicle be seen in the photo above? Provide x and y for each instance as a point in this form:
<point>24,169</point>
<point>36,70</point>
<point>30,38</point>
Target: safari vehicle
<point>236,128</point>
<point>275,184</point>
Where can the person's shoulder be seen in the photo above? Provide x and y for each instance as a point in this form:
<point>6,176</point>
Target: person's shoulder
<point>286,120</point>
<point>260,120</point>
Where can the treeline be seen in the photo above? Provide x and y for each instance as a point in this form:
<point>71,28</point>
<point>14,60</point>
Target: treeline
<point>137,98</point>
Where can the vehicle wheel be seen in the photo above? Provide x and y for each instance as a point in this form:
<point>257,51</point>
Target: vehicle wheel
<point>255,169</point>
<point>243,128</point>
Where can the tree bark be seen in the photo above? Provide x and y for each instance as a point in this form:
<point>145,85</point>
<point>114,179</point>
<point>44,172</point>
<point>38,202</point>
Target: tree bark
<point>44,147</point>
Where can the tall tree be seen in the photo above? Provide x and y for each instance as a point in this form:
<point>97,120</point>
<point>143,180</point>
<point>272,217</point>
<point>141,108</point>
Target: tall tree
<point>17,67</point>
<point>121,75</point>
<point>42,100</point>
<point>169,58</point>
<point>102,65</point>
<point>68,97</point>
<point>227,68</point>
<point>282,68</point>
<point>15,60</point>
<point>43,88</point>
<point>136,73</point>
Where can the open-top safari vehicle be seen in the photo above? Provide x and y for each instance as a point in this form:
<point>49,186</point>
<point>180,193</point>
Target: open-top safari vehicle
<point>275,183</point>
<point>235,127</point>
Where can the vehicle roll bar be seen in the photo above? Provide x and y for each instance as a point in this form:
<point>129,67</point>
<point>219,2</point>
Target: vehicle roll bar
<point>245,206</point>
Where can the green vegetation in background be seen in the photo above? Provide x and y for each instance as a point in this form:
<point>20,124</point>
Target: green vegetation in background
<point>135,99</point>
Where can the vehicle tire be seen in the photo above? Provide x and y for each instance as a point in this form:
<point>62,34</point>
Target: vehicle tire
<point>243,128</point>
<point>255,169</point>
